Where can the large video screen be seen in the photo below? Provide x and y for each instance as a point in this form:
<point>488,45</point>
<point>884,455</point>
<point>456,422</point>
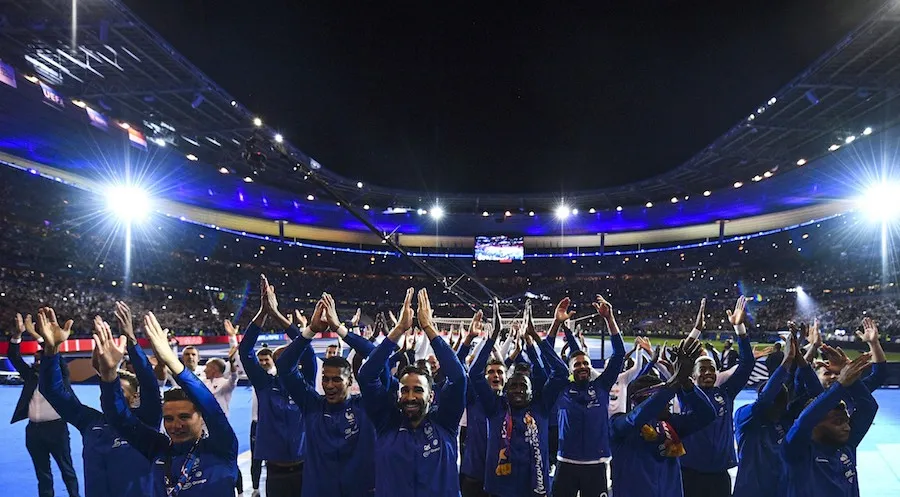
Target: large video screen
<point>499,248</point>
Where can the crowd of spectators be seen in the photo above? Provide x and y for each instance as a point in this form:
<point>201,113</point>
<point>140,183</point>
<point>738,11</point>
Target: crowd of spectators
<point>60,248</point>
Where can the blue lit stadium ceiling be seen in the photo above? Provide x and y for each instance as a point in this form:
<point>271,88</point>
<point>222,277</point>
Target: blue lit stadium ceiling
<point>121,68</point>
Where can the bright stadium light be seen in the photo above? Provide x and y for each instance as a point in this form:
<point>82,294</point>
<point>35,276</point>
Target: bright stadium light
<point>257,122</point>
<point>563,211</point>
<point>881,202</point>
<point>437,212</point>
<point>128,203</point>
<point>867,131</point>
<point>279,138</point>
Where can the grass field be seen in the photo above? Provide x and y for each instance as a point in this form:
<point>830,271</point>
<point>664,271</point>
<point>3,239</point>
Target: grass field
<point>718,344</point>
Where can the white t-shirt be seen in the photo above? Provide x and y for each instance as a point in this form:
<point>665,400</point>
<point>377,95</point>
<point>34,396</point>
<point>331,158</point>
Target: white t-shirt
<point>619,390</point>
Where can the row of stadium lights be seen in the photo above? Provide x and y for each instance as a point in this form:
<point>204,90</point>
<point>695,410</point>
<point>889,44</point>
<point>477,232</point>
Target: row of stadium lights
<point>563,211</point>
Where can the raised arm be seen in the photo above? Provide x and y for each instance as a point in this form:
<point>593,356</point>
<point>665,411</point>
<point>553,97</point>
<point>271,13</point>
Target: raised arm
<point>221,436</point>
<point>559,373</point>
<point>741,376</point>
<point>258,376</point>
<point>777,381</point>
<point>610,373</point>
<point>485,394</point>
<point>301,389</point>
<point>870,335</point>
<point>863,415</point>
<point>453,395</point>
<point>644,413</point>
<point>374,390</point>
<point>150,410</point>
<point>800,433</point>
<point>63,400</point>
<point>15,353</point>
<point>146,439</point>
<point>693,400</point>
<point>538,373</point>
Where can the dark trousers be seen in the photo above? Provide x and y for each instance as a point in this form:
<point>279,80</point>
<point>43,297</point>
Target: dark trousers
<point>470,487</point>
<point>697,484</point>
<point>589,479</point>
<point>47,439</point>
<point>283,481</point>
<point>553,439</point>
<point>255,464</point>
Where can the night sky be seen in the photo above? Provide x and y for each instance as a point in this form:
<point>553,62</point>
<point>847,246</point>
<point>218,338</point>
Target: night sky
<point>502,96</point>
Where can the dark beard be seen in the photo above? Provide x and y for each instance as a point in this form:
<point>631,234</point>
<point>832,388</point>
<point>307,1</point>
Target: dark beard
<point>419,414</point>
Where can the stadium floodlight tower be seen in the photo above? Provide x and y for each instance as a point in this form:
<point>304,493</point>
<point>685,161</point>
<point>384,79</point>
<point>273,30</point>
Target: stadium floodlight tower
<point>128,204</point>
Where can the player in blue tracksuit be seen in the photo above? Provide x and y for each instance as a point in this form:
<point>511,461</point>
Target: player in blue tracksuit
<point>710,452</point>
<point>760,427</point>
<point>185,463</point>
<point>517,459</point>
<point>647,441</point>
<point>584,419</point>
<point>820,448</point>
<point>280,434</point>
<point>111,465</point>
<point>415,449</point>
<point>340,460</point>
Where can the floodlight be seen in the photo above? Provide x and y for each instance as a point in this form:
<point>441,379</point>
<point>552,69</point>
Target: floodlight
<point>707,193</point>
<point>867,131</point>
<point>279,138</point>
<point>128,203</point>
<point>437,212</point>
<point>648,205</point>
<point>563,211</point>
<point>881,202</point>
<point>257,122</point>
<point>618,208</point>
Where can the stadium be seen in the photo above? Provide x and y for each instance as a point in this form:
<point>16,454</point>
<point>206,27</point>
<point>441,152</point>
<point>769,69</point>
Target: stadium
<point>131,175</point>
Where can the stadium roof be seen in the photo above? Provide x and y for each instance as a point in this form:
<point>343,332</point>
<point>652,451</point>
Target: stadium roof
<point>126,70</point>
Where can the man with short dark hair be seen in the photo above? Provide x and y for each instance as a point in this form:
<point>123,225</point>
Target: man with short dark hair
<point>710,451</point>
<point>46,434</point>
<point>583,417</point>
<point>415,449</point>
<point>340,437</point>
<point>280,434</point>
<point>185,463</point>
